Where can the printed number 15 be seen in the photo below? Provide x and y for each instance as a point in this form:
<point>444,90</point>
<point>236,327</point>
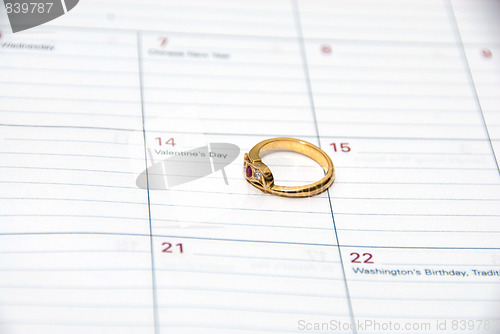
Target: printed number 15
<point>344,147</point>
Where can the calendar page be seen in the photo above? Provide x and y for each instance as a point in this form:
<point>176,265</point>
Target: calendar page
<point>404,96</point>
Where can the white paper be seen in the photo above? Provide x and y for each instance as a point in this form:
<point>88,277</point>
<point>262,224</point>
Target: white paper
<point>408,91</point>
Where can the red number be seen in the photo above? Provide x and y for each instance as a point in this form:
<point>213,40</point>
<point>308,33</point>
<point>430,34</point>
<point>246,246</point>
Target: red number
<point>326,49</point>
<point>163,41</point>
<point>368,259</point>
<point>344,147</point>
<point>357,256</point>
<point>167,249</point>
<point>168,245</point>
<point>486,53</point>
<point>170,141</point>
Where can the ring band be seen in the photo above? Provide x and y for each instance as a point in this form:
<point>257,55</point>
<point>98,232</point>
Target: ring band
<point>260,176</point>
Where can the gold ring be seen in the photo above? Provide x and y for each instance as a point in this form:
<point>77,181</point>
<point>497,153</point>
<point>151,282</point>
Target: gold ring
<point>260,176</point>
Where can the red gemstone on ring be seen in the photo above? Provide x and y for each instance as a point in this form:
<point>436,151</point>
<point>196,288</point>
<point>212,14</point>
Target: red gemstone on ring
<point>249,171</point>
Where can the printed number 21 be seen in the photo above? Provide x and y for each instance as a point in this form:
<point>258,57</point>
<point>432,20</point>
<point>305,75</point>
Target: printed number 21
<point>168,246</point>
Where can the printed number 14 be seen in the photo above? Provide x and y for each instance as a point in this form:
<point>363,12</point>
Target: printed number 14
<point>170,141</point>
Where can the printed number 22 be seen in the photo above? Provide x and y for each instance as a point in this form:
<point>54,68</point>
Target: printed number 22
<point>356,257</point>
